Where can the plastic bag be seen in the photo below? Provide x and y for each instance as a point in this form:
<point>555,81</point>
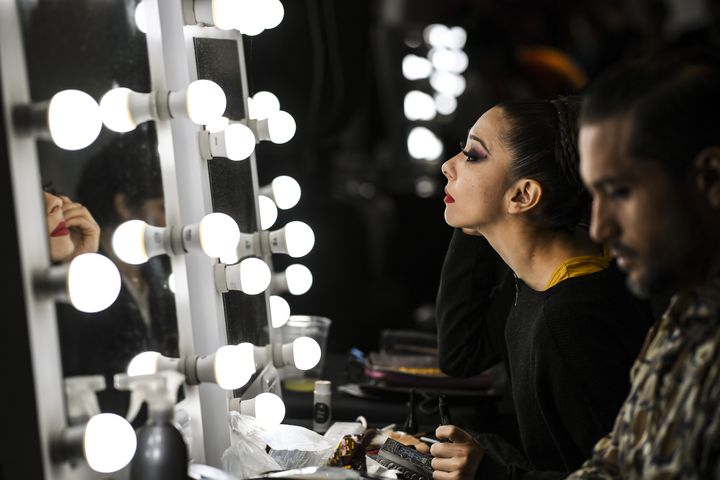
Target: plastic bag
<point>246,457</point>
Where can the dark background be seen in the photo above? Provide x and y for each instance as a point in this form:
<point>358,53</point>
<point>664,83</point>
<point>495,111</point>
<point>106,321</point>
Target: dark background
<point>336,67</point>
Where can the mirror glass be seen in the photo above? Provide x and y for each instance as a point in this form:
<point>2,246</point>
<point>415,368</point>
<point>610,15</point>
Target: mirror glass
<point>94,46</point>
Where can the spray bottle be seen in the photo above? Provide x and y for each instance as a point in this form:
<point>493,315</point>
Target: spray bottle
<point>161,451</point>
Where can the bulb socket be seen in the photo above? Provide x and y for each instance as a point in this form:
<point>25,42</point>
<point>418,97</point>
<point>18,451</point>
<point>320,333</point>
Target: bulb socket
<point>68,445</point>
<point>53,283</point>
<point>32,119</point>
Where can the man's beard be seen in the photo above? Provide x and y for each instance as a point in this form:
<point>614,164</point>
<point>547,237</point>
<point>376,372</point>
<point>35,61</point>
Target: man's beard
<point>653,282</point>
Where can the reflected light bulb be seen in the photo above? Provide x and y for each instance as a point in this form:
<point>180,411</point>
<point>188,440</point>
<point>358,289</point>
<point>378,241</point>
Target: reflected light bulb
<point>109,442</point>
<point>93,282</point>
<point>299,238</point>
<point>228,366</point>
<point>456,38</point>
<point>254,276</point>
<point>171,282</point>
<point>445,104</point>
<point>251,21</point>
<point>115,109</point>
<point>247,357</point>
<point>141,17</point>
<point>306,353</point>
<point>448,83</point>
<point>419,106</point>
<point>262,105</point>
<point>74,119</point>
<point>219,234</point>
<point>218,125</point>
<point>281,127</point>
<point>299,279</point>
<point>205,101</point>
<point>225,13</point>
<point>286,192</point>
<point>436,35</point>
<point>279,311</point>
<point>239,141</point>
<point>128,242</point>
<point>268,212</point>
<point>144,363</point>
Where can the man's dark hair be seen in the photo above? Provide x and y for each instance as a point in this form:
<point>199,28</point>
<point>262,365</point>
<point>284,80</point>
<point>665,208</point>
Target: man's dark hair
<point>672,100</point>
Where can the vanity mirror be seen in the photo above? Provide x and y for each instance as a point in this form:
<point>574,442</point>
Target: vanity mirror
<point>93,47</point>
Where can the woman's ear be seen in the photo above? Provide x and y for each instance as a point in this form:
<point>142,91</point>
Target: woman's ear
<point>121,206</point>
<point>707,175</point>
<point>525,194</point>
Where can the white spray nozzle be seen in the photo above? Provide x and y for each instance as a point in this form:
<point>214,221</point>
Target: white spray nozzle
<point>81,397</point>
<point>159,390</point>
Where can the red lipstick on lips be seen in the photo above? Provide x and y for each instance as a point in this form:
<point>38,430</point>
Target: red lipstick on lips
<point>60,230</point>
<point>448,198</point>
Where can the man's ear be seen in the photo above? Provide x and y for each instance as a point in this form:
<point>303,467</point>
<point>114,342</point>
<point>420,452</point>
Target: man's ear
<point>707,175</point>
<point>524,195</point>
<point>121,206</point>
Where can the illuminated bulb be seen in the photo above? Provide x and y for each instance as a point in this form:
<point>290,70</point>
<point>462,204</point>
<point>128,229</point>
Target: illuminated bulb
<point>279,311</point>
<point>279,127</point>
<point>306,353</point>
<point>262,105</point>
<point>454,61</point>
<point>123,109</point>
<point>73,119</point>
<point>171,282</point>
<point>419,106</point>
<point>423,144</point>
<point>445,104</point>
<point>436,35</point>
<point>448,83</point>
<point>284,190</point>
<point>425,187</point>
<point>251,276</point>
<point>268,212</point>
<point>229,374</point>
<point>141,17</point>
<point>236,142</point>
<point>271,12</point>
<point>203,101</point>
<point>218,125</point>
<point>267,408</point>
<point>135,241</point>
<point>225,13</point>
<point>107,442</point>
<point>251,22</point>
<point>456,38</point>
<point>296,239</point>
<point>144,363</point>
<point>90,282</point>
<point>296,279</point>
<point>415,67</point>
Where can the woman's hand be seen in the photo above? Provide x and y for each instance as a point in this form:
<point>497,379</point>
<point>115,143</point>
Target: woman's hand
<point>84,230</point>
<point>457,459</point>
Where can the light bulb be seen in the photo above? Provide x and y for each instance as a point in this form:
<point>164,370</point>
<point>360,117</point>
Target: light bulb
<point>445,104</point>
<point>299,279</point>
<point>109,442</point>
<point>444,59</point>
<point>141,17</point>
<point>267,408</point>
<point>247,357</point>
<point>93,282</point>
<point>299,238</point>
<point>279,311</point>
<point>268,212</point>
<point>124,109</point>
<point>436,35</point>
<point>419,106</point>
<point>128,242</point>
<point>239,141</point>
<point>145,363</point>
<point>448,83</point>
<point>171,282</point>
<point>250,21</point>
<point>225,13</point>
<point>306,353</point>
<point>415,67</point>
<point>218,125</point>
<point>423,144</point>
<point>284,190</point>
<point>229,371</point>
<point>281,127</point>
<point>251,276</point>
<point>218,234</point>
<point>73,119</point>
<point>456,38</point>
<point>271,13</point>
<point>204,101</point>
<point>262,104</point>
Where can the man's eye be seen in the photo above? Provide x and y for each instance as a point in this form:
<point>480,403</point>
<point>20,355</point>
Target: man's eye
<point>618,192</point>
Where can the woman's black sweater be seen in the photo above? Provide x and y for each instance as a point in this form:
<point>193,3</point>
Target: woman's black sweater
<point>567,350</point>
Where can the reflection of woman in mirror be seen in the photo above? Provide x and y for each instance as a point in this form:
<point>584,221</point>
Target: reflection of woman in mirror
<point>122,182</point>
<point>71,227</point>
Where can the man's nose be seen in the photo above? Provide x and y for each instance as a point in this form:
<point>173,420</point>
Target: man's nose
<point>603,226</point>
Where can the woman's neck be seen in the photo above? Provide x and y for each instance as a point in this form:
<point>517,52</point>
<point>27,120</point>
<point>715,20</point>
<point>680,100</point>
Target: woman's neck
<point>534,255</point>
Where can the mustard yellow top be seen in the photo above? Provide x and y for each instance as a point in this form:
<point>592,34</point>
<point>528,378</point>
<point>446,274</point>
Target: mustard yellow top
<point>579,266</point>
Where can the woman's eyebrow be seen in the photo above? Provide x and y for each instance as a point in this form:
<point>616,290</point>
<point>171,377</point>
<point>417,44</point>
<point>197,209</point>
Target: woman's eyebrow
<point>478,139</point>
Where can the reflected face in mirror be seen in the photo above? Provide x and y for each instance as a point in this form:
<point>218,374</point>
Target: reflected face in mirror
<point>61,246</point>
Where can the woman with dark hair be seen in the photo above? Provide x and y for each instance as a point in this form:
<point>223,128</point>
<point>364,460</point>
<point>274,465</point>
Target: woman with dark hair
<point>523,284</point>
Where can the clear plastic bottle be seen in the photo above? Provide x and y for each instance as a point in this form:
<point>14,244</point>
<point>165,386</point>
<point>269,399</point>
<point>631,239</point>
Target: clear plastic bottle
<point>322,405</point>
